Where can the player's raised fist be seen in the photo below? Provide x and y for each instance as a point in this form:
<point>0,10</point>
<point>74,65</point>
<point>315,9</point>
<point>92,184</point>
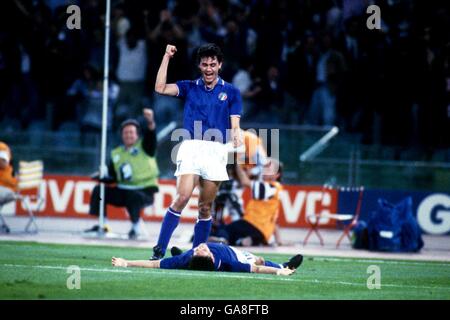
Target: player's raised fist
<point>170,50</point>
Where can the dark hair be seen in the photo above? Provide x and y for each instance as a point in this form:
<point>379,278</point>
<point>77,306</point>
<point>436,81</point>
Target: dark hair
<point>201,263</point>
<point>132,122</point>
<point>209,50</point>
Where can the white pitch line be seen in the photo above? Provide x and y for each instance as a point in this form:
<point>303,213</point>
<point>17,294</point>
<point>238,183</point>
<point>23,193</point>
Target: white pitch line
<point>444,264</point>
<point>65,268</point>
<point>221,275</point>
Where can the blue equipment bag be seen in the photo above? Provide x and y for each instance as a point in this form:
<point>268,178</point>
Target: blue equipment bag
<point>393,228</point>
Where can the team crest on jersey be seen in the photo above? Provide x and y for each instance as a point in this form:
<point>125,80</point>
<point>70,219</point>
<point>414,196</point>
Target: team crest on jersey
<point>223,96</point>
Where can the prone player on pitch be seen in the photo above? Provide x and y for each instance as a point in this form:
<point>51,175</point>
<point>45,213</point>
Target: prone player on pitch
<point>215,257</point>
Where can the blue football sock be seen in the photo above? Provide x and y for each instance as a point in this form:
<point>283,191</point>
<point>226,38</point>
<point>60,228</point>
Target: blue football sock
<point>168,226</point>
<point>272,264</point>
<point>201,231</point>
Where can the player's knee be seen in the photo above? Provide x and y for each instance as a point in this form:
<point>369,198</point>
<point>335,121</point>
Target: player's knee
<point>204,210</point>
<point>181,201</point>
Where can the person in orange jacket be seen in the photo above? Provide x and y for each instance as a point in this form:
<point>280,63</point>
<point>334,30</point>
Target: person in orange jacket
<point>259,221</point>
<point>8,183</point>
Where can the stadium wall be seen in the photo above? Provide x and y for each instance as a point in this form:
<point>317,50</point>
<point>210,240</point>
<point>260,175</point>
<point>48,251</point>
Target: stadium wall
<point>68,196</point>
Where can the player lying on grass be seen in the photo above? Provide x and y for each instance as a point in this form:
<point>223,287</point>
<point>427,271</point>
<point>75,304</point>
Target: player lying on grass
<point>215,257</point>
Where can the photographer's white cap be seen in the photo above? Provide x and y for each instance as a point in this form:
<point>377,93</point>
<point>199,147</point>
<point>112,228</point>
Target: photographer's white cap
<point>4,155</point>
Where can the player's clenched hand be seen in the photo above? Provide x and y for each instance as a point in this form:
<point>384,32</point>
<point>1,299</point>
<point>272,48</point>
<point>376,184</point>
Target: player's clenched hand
<point>119,262</point>
<point>285,272</point>
<point>170,50</point>
<point>236,137</point>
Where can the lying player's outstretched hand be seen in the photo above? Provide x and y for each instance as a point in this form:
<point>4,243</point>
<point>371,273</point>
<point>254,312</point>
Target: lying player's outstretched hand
<point>285,272</point>
<point>119,262</point>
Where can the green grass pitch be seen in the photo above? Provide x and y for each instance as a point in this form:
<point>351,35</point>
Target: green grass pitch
<point>39,271</point>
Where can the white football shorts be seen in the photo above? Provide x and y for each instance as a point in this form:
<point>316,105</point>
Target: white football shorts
<point>207,159</point>
<point>244,256</point>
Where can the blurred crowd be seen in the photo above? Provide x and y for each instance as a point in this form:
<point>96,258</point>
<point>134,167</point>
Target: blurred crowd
<point>294,61</point>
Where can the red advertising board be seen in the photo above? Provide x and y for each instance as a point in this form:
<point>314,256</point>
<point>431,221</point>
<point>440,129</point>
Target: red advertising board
<point>68,196</point>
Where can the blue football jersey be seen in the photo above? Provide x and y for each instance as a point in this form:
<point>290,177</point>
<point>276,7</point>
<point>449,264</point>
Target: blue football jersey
<point>211,108</point>
<point>225,259</point>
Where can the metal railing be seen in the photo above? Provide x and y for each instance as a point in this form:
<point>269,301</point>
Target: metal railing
<point>343,161</point>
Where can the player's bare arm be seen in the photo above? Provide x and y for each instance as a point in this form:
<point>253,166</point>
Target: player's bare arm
<point>236,135</point>
<point>123,263</point>
<point>271,270</point>
<point>161,85</point>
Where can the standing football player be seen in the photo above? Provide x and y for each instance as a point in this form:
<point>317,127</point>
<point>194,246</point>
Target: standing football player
<point>212,108</point>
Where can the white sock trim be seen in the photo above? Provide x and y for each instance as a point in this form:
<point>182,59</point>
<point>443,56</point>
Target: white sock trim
<point>174,213</point>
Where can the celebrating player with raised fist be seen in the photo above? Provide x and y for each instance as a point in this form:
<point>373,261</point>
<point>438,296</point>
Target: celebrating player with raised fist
<point>212,111</point>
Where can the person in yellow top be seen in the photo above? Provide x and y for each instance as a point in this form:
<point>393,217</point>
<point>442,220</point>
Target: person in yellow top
<point>8,183</point>
<point>259,222</point>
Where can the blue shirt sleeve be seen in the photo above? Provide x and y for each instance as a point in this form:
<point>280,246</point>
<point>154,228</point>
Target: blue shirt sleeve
<point>240,267</point>
<point>236,103</point>
<point>183,88</point>
<point>177,262</point>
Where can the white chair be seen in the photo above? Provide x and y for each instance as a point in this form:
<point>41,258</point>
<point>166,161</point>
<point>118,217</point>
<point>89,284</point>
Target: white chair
<point>30,178</point>
<point>314,219</point>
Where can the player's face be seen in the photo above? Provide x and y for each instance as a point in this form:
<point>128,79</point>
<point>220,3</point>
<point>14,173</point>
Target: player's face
<point>202,250</point>
<point>209,67</point>
<point>129,135</point>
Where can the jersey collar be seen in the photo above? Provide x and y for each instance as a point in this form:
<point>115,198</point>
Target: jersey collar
<point>200,82</point>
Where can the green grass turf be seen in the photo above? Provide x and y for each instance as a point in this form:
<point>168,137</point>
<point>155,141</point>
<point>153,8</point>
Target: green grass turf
<point>39,271</point>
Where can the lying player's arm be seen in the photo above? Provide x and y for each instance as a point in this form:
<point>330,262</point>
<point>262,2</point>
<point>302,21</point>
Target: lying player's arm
<point>161,85</point>
<point>271,270</point>
<point>119,262</point>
